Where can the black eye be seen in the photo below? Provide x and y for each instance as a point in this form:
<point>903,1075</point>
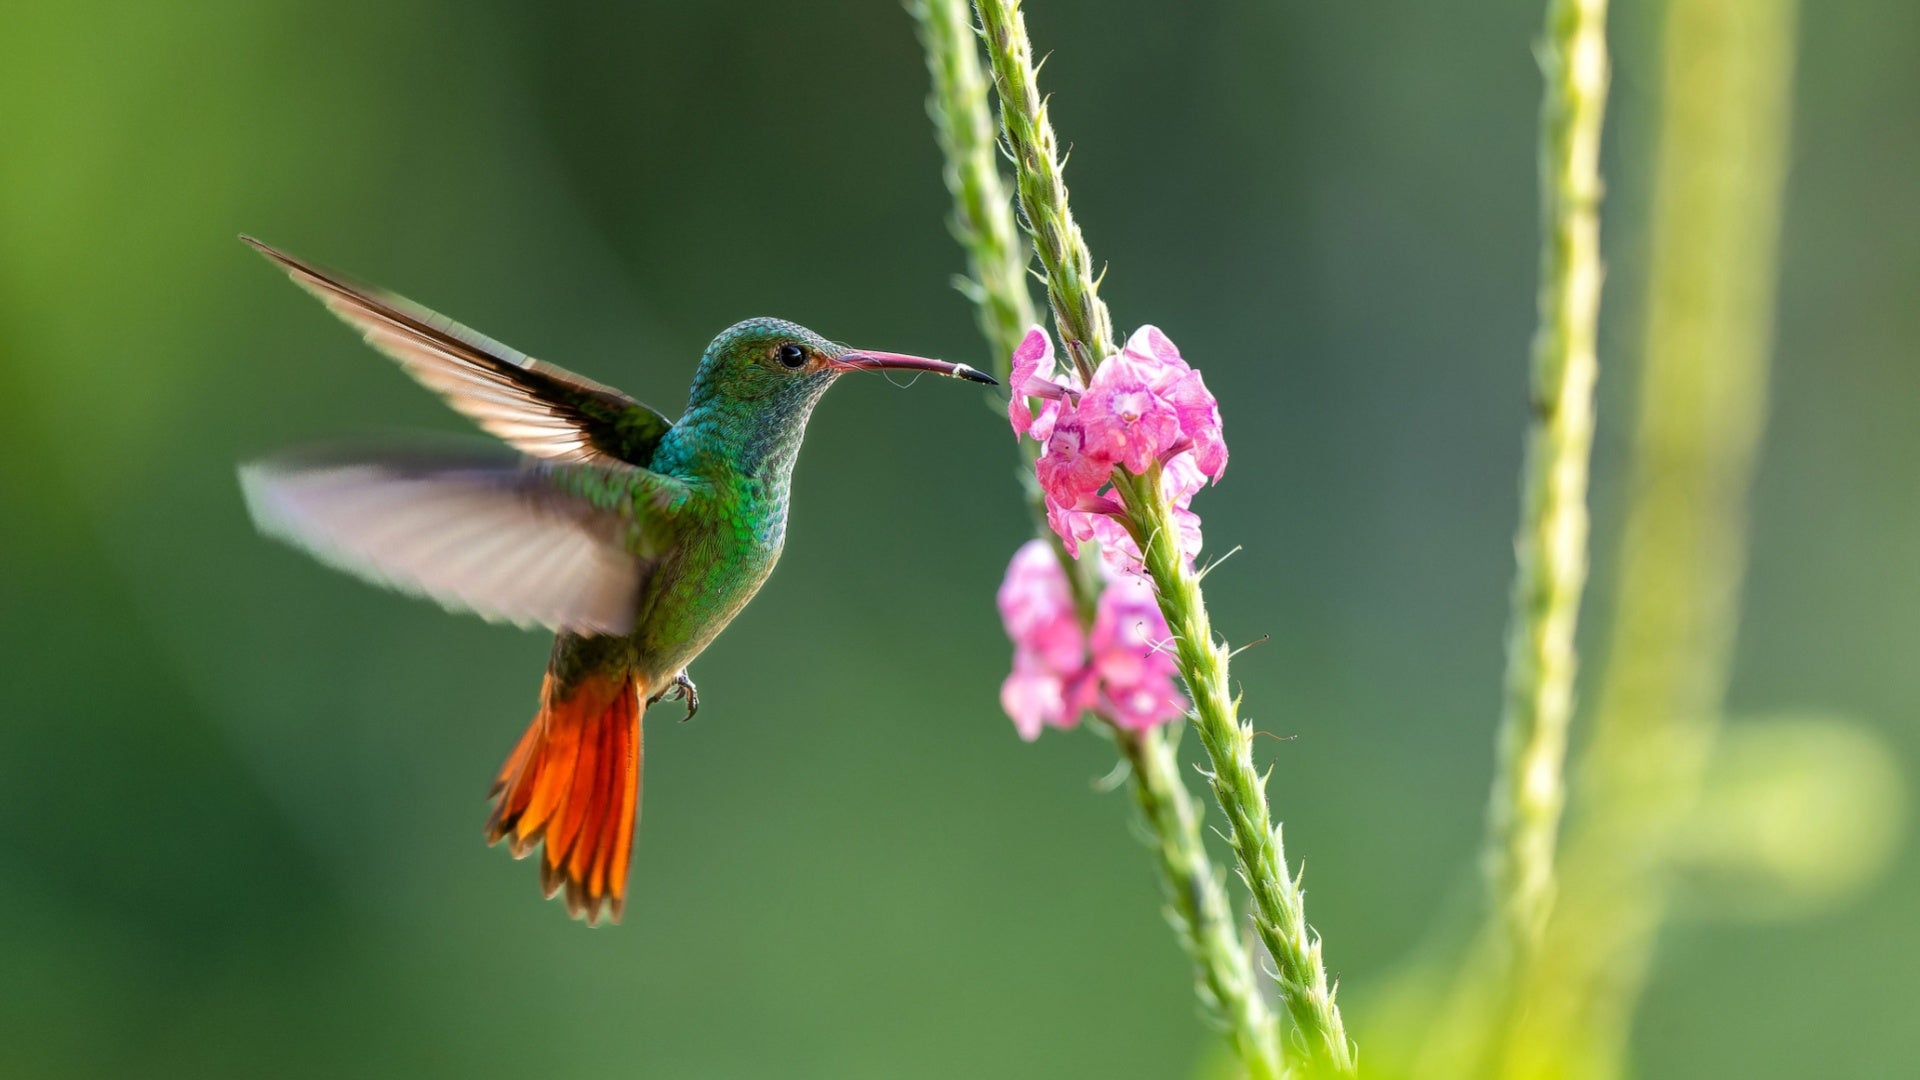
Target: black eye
<point>791,355</point>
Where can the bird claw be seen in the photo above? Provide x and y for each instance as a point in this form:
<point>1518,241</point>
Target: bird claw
<point>682,689</point>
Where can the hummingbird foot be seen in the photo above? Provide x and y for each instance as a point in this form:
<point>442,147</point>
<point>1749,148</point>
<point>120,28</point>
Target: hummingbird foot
<point>681,689</point>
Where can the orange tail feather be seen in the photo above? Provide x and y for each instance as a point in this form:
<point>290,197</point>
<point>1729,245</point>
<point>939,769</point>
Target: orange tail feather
<point>572,785</point>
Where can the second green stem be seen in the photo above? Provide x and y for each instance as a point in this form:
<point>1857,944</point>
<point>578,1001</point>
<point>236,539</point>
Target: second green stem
<point>1550,546</point>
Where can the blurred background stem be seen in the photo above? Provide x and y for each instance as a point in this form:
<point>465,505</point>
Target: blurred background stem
<point>982,222</point>
<point>1198,907</point>
<point>1087,330</point>
<point>1550,546</point>
<point>1717,204</point>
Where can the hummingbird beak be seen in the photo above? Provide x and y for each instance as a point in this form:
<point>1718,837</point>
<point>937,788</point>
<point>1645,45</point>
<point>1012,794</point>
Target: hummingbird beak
<point>867,360</point>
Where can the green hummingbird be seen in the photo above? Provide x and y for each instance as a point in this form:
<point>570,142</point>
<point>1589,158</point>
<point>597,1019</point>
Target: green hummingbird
<point>635,538</point>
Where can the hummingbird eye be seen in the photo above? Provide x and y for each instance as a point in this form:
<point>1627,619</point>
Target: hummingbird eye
<point>791,356</point>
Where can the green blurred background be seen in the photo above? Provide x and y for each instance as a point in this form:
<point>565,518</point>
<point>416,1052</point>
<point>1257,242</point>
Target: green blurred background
<point>244,794</point>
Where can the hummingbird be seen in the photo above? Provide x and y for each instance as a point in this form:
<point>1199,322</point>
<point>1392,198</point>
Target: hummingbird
<point>634,538</point>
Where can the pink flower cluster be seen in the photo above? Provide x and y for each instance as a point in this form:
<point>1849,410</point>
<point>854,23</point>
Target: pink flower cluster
<point>1122,670</point>
<point>1144,407</point>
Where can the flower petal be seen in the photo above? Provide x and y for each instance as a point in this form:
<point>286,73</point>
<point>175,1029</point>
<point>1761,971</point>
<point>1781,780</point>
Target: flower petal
<point>1199,416</point>
<point>1125,418</point>
<point>1032,359</point>
<point>1068,471</point>
<point>1157,350</point>
<point>1033,699</point>
<point>1034,592</point>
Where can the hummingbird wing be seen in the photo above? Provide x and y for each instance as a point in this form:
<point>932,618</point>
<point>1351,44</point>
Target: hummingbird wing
<point>511,544</point>
<point>540,409</point>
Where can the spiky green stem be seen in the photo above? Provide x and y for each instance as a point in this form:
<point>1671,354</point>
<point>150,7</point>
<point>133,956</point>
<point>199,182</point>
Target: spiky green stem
<point>1197,903</point>
<point>1550,546</point>
<point>1072,289</point>
<point>1717,200</point>
<point>1279,902</point>
<point>1082,319</point>
<point>1198,907</point>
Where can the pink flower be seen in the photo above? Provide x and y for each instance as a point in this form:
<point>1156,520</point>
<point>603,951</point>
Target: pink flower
<point>1132,654</point>
<point>1036,606</point>
<point>1036,699</point>
<point>1148,342</point>
<point>1127,673</point>
<point>1034,591</point>
<point>1145,407</point>
<point>1073,527</point>
<point>1126,421</point>
<point>1129,639</point>
<point>1118,553</point>
<point>1033,377</point>
<point>1199,417</point>
<point>1067,471</point>
<point>1047,686</point>
<point>1186,392</point>
<point>1179,479</point>
<point>1144,705</point>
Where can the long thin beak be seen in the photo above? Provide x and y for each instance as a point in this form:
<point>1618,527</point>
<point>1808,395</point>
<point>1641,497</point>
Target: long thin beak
<point>867,360</point>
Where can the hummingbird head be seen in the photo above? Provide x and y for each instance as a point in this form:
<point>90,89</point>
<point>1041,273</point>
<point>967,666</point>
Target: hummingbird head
<point>759,380</point>
<point>783,366</point>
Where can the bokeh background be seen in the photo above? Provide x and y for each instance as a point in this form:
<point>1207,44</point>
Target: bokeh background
<point>243,795</point>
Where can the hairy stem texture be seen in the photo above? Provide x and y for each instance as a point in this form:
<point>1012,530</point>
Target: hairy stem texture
<point>1550,545</point>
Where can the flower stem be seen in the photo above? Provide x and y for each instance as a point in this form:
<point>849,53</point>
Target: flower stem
<point>1197,902</point>
<point>983,223</point>
<point>1550,546</point>
<point>1716,219</point>
<point>1072,288</point>
<point>1279,910</point>
<point>1279,901</point>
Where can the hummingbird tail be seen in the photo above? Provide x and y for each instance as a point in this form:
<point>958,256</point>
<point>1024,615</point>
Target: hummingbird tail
<point>572,785</point>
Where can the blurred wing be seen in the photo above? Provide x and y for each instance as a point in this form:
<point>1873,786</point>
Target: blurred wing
<point>540,409</point>
<point>503,542</point>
